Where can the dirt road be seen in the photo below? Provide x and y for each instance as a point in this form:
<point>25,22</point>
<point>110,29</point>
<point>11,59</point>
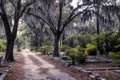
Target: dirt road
<point>36,68</point>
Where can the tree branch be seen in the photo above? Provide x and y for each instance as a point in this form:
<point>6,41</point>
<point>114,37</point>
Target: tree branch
<point>70,19</point>
<point>42,20</point>
<point>4,18</point>
<point>11,1</point>
<point>23,10</point>
<point>38,17</point>
<point>9,16</point>
<point>16,18</point>
<point>60,13</point>
<point>79,6</point>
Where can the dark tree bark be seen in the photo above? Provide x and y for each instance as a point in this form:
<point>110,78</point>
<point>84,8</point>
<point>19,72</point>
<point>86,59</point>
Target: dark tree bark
<point>56,45</point>
<point>98,29</point>
<point>9,50</point>
<point>11,33</point>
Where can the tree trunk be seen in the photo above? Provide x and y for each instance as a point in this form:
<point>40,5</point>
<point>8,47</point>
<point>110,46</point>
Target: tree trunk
<point>56,46</point>
<point>106,47</point>
<point>9,50</point>
<point>10,43</point>
<point>98,30</point>
<point>38,43</point>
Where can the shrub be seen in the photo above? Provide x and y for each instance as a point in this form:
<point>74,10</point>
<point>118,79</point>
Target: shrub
<point>117,48</point>
<point>63,48</point>
<point>81,57</point>
<point>91,48</point>
<point>46,49</point>
<point>2,46</point>
<point>50,49</point>
<point>71,40</point>
<point>116,55</point>
<point>77,54</point>
<point>116,58</point>
<point>84,39</point>
<point>32,48</point>
<point>79,48</point>
<point>19,50</point>
<point>43,49</point>
<point>72,54</point>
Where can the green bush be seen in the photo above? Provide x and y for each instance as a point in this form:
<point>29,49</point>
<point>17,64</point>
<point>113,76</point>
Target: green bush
<point>79,48</point>
<point>77,54</point>
<point>81,57</point>
<point>91,49</point>
<point>116,55</point>
<point>72,54</point>
<point>84,39</point>
<point>116,58</point>
<point>71,40</point>
<point>32,48</point>
<point>50,49</point>
<point>117,48</point>
<point>2,46</point>
<point>19,50</point>
<point>63,48</point>
<point>46,49</point>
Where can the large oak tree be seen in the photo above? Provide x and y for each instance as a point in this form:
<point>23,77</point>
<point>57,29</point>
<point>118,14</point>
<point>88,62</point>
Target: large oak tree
<point>58,14</point>
<point>12,11</point>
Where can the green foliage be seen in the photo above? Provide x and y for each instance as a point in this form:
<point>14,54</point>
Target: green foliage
<point>116,55</point>
<point>84,39</point>
<point>116,58</point>
<point>71,40</point>
<point>33,43</point>
<point>32,48</point>
<point>99,41</point>
<point>18,49</point>
<point>114,41</point>
<point>72,53</point>
<point>46,49</point>
<point>117,47</point>
<point>64,47</point>
<point>2,46</point>
<point>91,48</point>
<point>78,54</point>
<point>79,48</point>
<point>81,57</point>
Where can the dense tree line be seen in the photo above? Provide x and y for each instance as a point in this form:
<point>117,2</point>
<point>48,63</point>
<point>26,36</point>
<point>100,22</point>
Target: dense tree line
<point>59,15</point>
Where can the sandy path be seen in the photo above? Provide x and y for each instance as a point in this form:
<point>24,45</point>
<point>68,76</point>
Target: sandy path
<point>37,68</point>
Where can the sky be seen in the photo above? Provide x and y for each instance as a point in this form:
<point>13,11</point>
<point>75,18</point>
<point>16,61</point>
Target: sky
<point>74,3</point>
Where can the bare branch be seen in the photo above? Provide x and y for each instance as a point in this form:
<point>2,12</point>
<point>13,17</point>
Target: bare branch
<point>11,15</point>
<point>51,23</point>
<point>79,6</point>
<point>11,1</point>
<point>70,19</point>
<point>5,19</point>
<point>27,5</point>
<point>68,2</point>
<point>37,17</point>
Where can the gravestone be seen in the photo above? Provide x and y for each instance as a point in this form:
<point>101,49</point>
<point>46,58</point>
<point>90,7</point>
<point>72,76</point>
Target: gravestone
<point>98,53</point>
